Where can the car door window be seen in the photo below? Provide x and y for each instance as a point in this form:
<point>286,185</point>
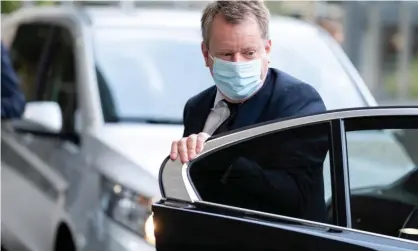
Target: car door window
<point>281,172</point>
<point>29,54</point>
<point>61,77</point>
<point>383,173</point>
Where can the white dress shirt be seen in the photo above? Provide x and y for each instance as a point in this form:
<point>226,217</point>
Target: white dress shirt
<point>218,114</point>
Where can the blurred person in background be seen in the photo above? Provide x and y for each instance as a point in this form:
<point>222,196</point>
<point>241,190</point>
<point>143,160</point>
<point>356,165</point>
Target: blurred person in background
<point>334,28</point>
<point>236,48</point>
<point>12,99</point>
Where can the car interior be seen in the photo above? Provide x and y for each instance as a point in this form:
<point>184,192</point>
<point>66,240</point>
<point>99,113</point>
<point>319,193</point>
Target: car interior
<point>390,208</point>
<point>26,59</point>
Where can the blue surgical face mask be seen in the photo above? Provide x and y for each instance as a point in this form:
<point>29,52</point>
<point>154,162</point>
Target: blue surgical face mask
<point>237,80</point>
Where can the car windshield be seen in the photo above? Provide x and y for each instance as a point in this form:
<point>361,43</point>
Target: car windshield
<point>148,74</point>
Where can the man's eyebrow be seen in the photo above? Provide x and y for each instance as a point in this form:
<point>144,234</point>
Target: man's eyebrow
<point>250,48</point>
<point>225,50</point>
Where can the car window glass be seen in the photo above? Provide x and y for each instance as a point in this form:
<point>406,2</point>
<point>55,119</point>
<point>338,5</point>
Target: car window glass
<point>382,173</point>
<point>280,172</point>
<point>61,77</point>
<point>136,75</point>
<point>28,58</point>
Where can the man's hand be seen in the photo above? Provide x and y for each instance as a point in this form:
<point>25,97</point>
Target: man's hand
<point>188,147</point>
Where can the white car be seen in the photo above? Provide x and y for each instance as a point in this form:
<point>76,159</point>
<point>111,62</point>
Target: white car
<point>106,89</point>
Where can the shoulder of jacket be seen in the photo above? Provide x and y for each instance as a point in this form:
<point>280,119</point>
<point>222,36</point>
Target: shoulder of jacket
<point>288,83</point>
<point>201,95</point>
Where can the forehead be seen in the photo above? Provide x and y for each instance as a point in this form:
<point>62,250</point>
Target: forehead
<point>224,33</point>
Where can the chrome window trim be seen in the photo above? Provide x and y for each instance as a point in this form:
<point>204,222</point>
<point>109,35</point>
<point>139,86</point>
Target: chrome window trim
<point>216,143</point>
<point>189,188</point>
<point>172,181</point>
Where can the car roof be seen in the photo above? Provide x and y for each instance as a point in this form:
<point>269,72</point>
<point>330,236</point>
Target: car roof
<point>146,16</point>
<point>187,18</point>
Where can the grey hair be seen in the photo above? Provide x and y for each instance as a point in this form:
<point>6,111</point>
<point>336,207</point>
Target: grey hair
<point>235,12</point>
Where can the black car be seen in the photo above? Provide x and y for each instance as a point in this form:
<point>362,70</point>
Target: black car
<point>369,176</point>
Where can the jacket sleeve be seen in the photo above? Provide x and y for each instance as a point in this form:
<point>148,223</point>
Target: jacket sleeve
<point>12,99</point>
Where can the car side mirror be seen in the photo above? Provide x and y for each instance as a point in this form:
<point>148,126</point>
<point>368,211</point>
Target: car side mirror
<point>410,228</point>
<point>40,116</point>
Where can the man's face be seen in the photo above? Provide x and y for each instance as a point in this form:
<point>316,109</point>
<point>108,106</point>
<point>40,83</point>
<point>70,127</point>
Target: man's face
<point>236,43</point>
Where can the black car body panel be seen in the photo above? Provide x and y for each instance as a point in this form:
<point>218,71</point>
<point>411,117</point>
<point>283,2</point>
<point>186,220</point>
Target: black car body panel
<point>182,227</point>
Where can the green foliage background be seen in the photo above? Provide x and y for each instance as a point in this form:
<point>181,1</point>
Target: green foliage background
<point>9,6</point>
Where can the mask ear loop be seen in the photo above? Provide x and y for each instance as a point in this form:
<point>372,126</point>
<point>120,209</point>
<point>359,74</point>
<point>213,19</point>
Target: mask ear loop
<point>267,56</point>
<point>268,62</point>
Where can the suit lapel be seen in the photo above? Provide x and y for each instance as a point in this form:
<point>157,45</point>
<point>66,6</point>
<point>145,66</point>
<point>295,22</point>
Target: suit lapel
<point>251,110</point>
<point>200,112</point>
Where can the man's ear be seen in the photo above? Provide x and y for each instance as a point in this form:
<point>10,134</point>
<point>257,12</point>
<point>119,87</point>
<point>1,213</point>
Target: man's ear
<point>268,49</point>
<point>205,53</point>
<point>268,46</point>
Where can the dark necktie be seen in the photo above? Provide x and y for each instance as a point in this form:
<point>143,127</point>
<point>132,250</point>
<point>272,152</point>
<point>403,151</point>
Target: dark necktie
<point>226,125</point>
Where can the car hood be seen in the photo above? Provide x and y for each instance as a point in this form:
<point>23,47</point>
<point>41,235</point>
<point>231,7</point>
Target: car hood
<point>145,145</point>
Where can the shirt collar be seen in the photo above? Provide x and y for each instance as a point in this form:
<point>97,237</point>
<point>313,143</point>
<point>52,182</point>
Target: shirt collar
<point>218,98</point>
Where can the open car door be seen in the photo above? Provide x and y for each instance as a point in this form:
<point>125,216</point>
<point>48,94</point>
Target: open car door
<point>283,185</point>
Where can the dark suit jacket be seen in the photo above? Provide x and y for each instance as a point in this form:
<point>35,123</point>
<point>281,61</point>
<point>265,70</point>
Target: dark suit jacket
<point>12,99</point>
<point>288,172</point>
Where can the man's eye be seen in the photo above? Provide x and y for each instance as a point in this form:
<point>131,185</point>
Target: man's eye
<point>251,53</point>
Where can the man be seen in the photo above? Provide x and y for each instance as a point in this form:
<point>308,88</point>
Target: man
<point>12,99</point>
<point>236,48</point>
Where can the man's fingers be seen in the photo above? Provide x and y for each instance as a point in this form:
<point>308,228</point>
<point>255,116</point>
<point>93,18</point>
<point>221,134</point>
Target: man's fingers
<point>182,150</point>
<point>174,150</point>
<point>201,139</point>
<point>187,148</point>
<point>191,146</point>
